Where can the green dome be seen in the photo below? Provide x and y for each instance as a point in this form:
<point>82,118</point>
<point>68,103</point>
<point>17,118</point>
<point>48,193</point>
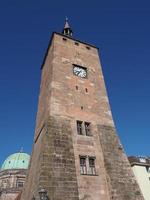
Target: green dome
<point>16,161</point>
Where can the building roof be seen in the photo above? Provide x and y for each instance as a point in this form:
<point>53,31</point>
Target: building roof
<point>66,23</point>
<point>139,160</point>
<point>16,161</point>
<point>67,29</point>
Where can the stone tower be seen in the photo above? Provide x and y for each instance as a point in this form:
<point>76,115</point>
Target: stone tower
<point>76,153</point>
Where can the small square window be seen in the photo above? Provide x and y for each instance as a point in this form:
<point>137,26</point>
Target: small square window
<point>87,128</point>
<point>88,47</point>
<point>79,127</point>
<point>64,39</point>
<point>20,184</point>
<point>83,168</point>
<point>76,43</point>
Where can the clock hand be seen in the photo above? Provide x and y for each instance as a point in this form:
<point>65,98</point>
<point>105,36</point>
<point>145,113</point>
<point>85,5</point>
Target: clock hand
<point>78,72</point>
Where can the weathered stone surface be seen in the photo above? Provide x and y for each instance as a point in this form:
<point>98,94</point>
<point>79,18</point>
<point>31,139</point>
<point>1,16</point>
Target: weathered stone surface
<point>123,185</point>
<point>56,163</point>
<point>65,98</point>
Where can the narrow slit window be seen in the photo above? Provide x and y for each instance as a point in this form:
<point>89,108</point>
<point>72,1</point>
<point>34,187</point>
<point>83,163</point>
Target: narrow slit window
<point>77,87</point>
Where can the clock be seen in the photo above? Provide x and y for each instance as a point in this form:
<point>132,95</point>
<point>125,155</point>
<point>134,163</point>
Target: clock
<point>80,71</point>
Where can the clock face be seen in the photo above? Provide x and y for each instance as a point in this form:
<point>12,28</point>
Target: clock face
<point>80,71</point>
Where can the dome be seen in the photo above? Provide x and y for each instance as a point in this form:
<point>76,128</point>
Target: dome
<point>16,161</point>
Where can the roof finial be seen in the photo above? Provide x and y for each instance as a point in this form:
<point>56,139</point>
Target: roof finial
<point>67,29</point>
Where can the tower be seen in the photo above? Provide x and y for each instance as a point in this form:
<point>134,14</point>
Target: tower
<point>76,153</point>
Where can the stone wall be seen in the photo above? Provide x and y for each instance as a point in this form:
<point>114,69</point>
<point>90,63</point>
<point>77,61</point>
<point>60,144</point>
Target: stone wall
<point>55,169</point>
<point>8,196</point>
<point>65,98</point>
<point>120,177</point>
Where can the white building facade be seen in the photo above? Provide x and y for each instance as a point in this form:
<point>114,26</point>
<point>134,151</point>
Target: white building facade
<point>141,169</point>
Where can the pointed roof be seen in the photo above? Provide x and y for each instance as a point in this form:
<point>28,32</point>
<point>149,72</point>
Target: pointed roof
<point>67,29</point>
<point>66,24</point>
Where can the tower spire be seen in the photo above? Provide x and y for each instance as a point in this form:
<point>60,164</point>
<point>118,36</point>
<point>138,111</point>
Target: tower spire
<point>67,29</point>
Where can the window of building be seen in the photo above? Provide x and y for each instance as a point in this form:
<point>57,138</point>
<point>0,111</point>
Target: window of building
<point>88,47</point>
<point>64,39</point>
<point>148,169</point>
<point>83,168</point>
<point>76,43</point>
<point>87,128</point>
<point>92,166</point>
<point>20,184</point>
<point>84,128</point>
<point>81,107</point>
<point>86,90</point>
<point>79,127</point>
<point>87,165</point>
<point>76,87</point>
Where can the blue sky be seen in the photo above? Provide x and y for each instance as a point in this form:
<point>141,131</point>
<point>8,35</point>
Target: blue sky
<point>119,28</point>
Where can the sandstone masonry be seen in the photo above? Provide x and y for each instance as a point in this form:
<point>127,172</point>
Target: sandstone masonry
<point>76,153</point>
